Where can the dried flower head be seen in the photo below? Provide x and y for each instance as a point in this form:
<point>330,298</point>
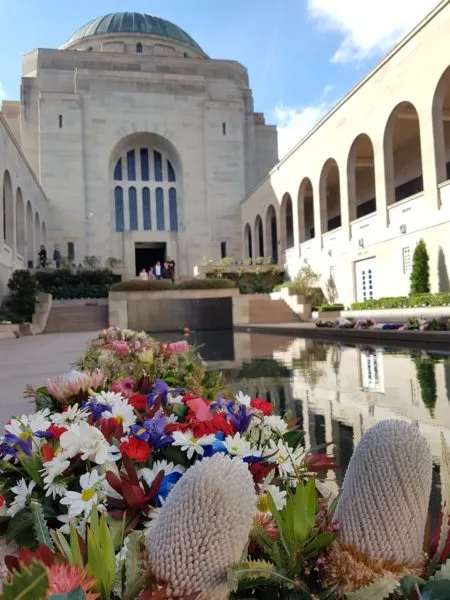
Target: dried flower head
<point>203,528</point>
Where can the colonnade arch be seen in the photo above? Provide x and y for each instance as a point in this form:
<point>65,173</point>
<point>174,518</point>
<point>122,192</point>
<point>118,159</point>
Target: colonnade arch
<point>272,233</point>
<point>286,223</point>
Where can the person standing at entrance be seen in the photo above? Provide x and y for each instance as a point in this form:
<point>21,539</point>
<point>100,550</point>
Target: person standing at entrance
<point>158,270</point>
<point>143,275</point>
<point>172,269</point>
<point>57,256</point>
<point>42,257</point>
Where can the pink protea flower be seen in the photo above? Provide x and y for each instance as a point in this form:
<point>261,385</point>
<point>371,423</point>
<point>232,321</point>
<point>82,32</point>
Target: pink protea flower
<point>179,347</point>
<point>70,384</point>
<point>120,348</point>
<point>66,578</point>
<point>124,387</point>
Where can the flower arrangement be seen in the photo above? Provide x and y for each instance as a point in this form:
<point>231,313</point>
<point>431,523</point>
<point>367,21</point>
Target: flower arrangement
<point>85,476</point>
<point>133,487</point>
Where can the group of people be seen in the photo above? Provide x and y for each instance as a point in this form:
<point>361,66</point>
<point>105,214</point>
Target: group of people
<point>165,270</point>
<point>42,254</point>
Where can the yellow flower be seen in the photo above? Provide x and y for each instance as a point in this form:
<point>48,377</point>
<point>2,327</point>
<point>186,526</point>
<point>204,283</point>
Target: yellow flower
<point>146,358</point>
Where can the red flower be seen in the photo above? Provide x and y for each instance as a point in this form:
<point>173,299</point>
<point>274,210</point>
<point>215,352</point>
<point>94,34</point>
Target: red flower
<point>136,449</point>
<point>47,453</point>
<point>111,429</point>
<point>190,396</point>
<point>138,401</point>
<point>320,462</point>
<point>56,431</point>
<point>2,501</point>
<point>43,554</point>
<point>259,404</point>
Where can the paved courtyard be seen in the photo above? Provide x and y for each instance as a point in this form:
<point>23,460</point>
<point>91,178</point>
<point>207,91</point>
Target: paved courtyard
<point>31,360</point>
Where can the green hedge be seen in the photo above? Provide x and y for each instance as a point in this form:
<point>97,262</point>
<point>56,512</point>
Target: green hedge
<point>249,281</point>
<point>137,285</point>
<point>331,307</point>
<point>82,283</point>
<point>405,302</point>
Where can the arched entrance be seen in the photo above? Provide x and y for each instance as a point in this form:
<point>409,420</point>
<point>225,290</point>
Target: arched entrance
<point>361,178</point>
<point>306,210</point>
<point>272,233</point>
<point>287,223</point>
<point>259,237</point>
<point>330,196</point>
<point>248,248</point>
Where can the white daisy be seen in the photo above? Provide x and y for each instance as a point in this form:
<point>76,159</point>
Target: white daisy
<point>278,496</point>
<point>92,494</point>
<point>191,444</point>
<point>29,423</point>
<point>174,399</point>
<point>22,492</point>
<point>123,413</point>
<point>238,446</point>
<point>275,423</point>
<point>82,438</point>
<point>242,398</point>
<point>73,414</point>
<point>108,397</point>
<point>52,471</point>
<point>287,460</point>
<point>149,475</point>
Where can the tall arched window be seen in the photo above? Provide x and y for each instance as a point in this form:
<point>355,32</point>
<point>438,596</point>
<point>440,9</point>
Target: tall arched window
<point>160,209</point>
<point>147,189</point>
<point>146,209</point>
<point>139,48</point>
<point>173,211</point>
<point>118,202</point>
<point>132,200</point>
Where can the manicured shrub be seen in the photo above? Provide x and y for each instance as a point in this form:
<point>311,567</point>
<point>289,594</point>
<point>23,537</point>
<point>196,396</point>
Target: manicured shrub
<point>331,307</point>
<point>141,285</point>
<point>206,284</point>
<point>138,285</point>
<point>420,274</point>
<point>19,305</point>
<point>426,376</point>
<point>251,280</point>
<point>418,301</point>
<point>82,283</point>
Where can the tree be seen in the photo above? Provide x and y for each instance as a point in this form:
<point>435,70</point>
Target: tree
<point>420,274</point>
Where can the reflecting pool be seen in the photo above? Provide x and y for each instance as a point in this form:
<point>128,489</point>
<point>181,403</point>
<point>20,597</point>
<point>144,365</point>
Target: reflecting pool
<point>338,391</point>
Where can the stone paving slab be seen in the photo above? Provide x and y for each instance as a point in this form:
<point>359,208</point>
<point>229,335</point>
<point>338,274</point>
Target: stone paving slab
<point>33,359</point>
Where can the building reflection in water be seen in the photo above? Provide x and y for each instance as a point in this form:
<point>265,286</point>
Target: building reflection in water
<point>339,391</point>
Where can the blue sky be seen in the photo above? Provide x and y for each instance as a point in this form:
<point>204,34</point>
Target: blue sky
<point>302,56</point>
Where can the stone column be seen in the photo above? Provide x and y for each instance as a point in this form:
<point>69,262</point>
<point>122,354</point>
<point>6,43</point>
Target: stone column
<point>428,143</point>
<point>384,176</point>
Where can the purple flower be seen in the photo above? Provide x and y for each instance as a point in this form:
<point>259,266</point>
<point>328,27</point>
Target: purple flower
<point>12,444</point>
<point>97,408</point>
<point>219,403</point>
<point>154,431</point>
<point>240,418</point>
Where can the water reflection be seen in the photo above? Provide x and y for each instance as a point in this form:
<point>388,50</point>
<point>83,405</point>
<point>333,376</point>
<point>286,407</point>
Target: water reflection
<point>338,391</point>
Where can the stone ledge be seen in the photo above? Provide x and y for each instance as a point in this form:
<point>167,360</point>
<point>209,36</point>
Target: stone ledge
<point>427,340</point>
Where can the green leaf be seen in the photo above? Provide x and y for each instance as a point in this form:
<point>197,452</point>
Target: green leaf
<point>20,526</point>
<point>443,572</point>
<point>77,558</point>
<point>40,526</point>
<point>31,582</point>
<point>322,540</point>
<point>379,590</point>
<point>95,563</point>
<point>109,556</point>
<point>279,521</point>
<point>133,564</point>
<point>62,545</point>
<point>32,465</point>
<point>77,594</point>
<point>294,438</point>
<point>94,523</point>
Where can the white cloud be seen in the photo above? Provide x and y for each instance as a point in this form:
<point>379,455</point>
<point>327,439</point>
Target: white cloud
<point>368,28</point>
<point>294,122</point>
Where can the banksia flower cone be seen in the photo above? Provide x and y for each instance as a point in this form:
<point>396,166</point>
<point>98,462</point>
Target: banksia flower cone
<point>383,507</point>
<point>203,528</point>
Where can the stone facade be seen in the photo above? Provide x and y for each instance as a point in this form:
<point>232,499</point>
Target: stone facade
<point>92,102</point>
<point>23,204</point>
<point>353,198</point>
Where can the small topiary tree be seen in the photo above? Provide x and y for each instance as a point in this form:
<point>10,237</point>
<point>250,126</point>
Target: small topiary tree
<point>420,274</point>
<point>22,295</point>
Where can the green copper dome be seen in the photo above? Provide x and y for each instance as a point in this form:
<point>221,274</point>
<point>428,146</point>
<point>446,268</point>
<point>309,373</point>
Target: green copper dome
<point>133,22</point>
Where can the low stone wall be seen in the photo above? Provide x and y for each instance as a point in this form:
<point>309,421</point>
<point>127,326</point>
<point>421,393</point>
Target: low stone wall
<point>173,310</point>
<point>42,310</point>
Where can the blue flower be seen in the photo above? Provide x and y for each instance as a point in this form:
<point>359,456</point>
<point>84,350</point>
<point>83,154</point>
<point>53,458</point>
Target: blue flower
<point>217,446</point>
<point>12,444</point>
<point>97,408</point>
<point>167,484</point>
<point>240,418</point>
<point>154,431</point>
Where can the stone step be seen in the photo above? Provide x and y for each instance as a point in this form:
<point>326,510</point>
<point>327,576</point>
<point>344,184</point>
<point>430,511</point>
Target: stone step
<point>265,310</point>
<point>77,318</point>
